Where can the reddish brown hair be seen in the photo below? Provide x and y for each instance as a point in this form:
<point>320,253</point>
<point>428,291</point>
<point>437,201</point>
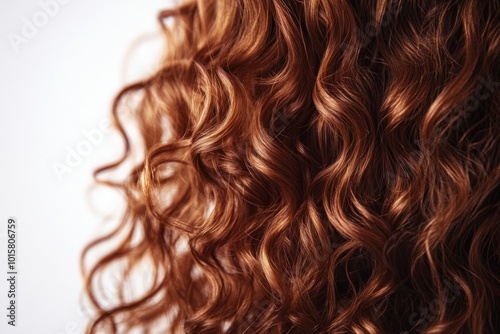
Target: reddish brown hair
<point>330,166</point>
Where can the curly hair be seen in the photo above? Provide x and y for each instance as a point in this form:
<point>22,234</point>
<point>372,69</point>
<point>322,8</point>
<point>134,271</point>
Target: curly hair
<point>311,166</point>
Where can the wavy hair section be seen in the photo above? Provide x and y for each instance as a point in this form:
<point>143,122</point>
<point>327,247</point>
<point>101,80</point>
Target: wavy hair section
<point>313,167</point>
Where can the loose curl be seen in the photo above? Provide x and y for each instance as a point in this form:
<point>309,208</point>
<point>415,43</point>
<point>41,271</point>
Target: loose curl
<point>313,166</point>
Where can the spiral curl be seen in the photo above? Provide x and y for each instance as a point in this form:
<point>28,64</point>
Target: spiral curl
<point>329,167</point>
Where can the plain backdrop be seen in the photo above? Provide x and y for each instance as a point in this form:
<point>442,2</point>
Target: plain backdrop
<point>57,84</point>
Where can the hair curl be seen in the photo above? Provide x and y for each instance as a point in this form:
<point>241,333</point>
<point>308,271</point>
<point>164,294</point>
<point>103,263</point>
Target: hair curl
<point>314,166</point>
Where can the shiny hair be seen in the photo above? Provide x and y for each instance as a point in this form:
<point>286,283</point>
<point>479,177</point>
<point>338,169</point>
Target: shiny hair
<point>311,166</point>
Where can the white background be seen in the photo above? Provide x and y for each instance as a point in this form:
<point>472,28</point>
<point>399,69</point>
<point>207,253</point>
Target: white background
<point>58,84</point>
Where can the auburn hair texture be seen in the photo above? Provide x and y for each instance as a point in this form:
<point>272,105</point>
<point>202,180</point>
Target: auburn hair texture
<point>309,166</point>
